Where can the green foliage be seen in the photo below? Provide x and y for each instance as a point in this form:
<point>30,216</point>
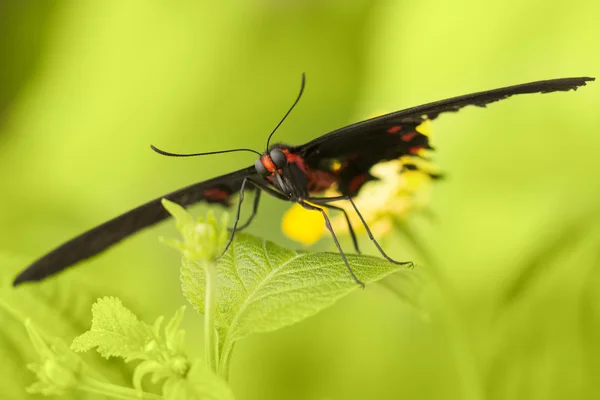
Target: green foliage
<point>256,286</point>
<point>203,241</point>
<point>117,332</point>
<point>59,309</point>
<point>61,372</point>
<point>263,287</point>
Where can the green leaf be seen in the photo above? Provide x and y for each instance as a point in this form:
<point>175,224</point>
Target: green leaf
<point>200,384</point>
<point>115,331</point>
<point>263,287</point>
<point>59,309</point>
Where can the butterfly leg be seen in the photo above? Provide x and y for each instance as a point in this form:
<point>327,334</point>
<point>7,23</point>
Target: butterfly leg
<point>259,187</point>
<point>325,200</point>
<point>335,240</point>
<point>237,214</point>
<point>350,228</point>
<point>254,211</point>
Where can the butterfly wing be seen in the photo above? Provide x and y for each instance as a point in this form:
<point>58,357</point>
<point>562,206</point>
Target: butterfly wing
<point>350,152</point>
<point>218,190</point>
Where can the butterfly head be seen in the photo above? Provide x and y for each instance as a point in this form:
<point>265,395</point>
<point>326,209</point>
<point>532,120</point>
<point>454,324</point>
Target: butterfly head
<point>273,167</point>
<point>271,164</point>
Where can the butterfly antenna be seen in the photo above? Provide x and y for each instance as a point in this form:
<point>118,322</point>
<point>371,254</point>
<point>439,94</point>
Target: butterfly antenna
<point>166,153</point>
<point>290,110</point>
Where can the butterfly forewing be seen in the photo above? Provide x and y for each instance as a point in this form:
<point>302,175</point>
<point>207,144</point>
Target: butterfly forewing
<point>349,153</point>
<point>218,190</point>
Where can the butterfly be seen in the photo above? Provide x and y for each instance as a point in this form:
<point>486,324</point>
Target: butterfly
<point>302,174</point>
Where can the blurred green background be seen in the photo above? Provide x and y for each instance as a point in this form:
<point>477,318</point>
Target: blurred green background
<point>512,303</point>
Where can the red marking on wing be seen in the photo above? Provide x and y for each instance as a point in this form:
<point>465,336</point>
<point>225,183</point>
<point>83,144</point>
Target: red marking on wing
<point>268,163</point>
<point>215,194</point>
<point>407,137</point>
<point>318,181</point>
<point>394,129</point>
<point>416,149</point>
<point>356,182</point>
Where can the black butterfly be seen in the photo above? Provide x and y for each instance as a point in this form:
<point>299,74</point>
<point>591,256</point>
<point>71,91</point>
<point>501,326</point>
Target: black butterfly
<point>298,174</point>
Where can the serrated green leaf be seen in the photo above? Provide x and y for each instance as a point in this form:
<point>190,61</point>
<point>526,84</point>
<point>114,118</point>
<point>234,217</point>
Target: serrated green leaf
<point>59,310</point>
<point>269,287</point>
<point>263,287</point>
<point>115,331</point>
<point>200,384</point>
<point>61,372</point>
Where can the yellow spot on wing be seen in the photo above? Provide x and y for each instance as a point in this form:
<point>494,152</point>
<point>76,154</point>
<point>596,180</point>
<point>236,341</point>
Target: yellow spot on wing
<point>424,128</point>
<point>336,165</point>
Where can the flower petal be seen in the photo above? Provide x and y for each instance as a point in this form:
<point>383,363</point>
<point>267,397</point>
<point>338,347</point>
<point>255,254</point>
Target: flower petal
<point>302,225</point>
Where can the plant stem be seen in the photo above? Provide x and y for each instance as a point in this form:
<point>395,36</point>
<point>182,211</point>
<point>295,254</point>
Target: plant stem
<point>95,386</point>
<point>210,307</point>
<point>224,362</point>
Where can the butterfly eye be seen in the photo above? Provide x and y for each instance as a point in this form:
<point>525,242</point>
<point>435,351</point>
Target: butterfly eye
<point>260,168</point>
<point>279,159</point>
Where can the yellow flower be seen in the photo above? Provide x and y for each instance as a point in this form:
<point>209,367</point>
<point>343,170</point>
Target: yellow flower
<point>302,225</point>
<point>393,197</point>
